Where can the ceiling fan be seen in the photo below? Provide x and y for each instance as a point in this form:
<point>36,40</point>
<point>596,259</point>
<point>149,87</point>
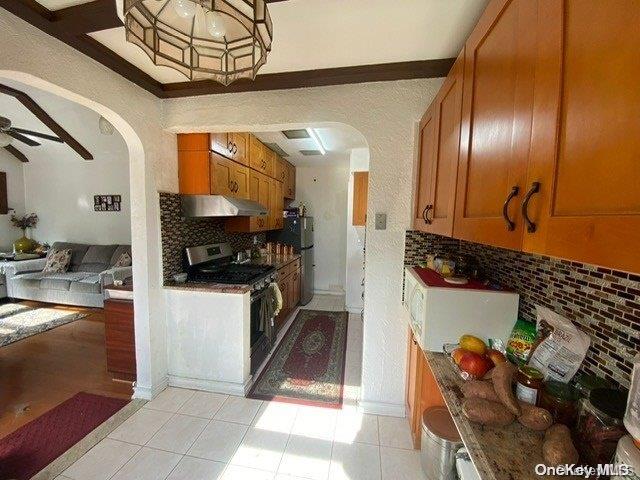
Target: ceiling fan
<point>8,134</point>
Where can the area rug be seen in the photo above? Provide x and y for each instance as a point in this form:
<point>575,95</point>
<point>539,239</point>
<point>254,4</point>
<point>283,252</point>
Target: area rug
<point>35,445</point>
<point>18,321</point>
<point>308,365</point>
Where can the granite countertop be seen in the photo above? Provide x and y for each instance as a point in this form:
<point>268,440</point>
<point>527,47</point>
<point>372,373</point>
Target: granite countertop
<point>505,453</point>
<point>208,287</point>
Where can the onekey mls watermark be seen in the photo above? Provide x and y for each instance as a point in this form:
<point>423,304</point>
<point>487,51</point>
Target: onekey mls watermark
<point>586,471</point>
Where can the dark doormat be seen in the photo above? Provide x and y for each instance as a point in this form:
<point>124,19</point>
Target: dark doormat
<point>35,445</point>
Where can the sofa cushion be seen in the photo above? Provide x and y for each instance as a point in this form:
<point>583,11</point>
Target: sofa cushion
<point>29,280</point>
<point>118,253</point>
<point>78,251</point>
<point>97,259</point>
<point>58,261</point>
<point>89,284</point>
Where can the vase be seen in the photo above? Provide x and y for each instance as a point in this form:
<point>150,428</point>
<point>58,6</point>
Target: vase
<point>24,244</point>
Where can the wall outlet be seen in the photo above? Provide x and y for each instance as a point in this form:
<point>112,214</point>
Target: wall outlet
<point>381,221</point>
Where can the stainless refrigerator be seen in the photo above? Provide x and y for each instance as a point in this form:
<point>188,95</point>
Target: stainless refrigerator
<point>298,232</point>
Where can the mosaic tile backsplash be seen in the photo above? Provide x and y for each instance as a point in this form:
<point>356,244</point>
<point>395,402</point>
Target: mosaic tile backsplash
<point>178,232</point>
<point>602,302</point>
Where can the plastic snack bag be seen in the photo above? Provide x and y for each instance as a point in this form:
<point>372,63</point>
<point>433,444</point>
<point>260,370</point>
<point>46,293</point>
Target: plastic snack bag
<point>520,342</point>
<point>560,347</point>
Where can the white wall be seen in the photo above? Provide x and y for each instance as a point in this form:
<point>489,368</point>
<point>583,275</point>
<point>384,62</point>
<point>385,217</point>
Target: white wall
<point>15,195</point>
<point>60,185</point>
<point>386,113</point>
<point>32,57</point>
<point>358,162</point>
<point>323,189</point>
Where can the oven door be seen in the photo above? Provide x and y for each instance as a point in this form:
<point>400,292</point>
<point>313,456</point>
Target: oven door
<point>260,344</point>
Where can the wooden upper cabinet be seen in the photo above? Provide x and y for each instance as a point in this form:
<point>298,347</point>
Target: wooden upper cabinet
<point>257,155</point>
<point>228,177</point>
<point>290,184</point>
<point>444,168</point>
<point>500,57</point>
<point>360,198</point>
<point>586,138</point>
<point>270,158</point>
<point>239,147</point>
<point>219,143</point>
<point>423,203</point>
<point>193,142</point>
<point>194,173</point>
<point>259,191</point>
<point>277,205</point>
<point>280,170</point>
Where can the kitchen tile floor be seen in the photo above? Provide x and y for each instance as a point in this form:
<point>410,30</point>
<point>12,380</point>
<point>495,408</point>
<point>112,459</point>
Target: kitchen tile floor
<point>188,435</point>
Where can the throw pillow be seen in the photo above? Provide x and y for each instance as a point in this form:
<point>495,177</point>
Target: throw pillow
<point>123,261</point>
<point>58,261</point>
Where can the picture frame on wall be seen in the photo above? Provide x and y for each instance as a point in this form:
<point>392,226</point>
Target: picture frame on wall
<point>107,203</point>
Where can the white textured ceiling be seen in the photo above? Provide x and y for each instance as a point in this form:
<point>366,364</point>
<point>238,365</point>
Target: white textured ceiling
<point>314,34</point>
<point>337,139</point>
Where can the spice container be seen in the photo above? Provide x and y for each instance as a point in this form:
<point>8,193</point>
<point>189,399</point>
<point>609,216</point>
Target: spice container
<point>600,425</point>
<point>530,383</point>
<point>560,399</point>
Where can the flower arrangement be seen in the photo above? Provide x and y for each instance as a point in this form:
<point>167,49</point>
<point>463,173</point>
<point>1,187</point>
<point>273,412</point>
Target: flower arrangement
<point>28,221</point>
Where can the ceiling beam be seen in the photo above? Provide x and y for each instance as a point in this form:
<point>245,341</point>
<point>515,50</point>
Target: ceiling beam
<point>382,72</point>
<point>87,17</point>
<point>72,24</point>
<point>32,12</point>
<point>45,118</point>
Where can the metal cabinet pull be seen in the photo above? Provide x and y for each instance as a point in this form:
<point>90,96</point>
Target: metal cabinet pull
<point>230,146</point>
<point>230,185</point>
<point>425,214</point>
<point>531,226</point>
<point>511,226</point>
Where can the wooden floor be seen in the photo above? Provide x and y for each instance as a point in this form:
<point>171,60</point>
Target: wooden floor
<point>41,371</point>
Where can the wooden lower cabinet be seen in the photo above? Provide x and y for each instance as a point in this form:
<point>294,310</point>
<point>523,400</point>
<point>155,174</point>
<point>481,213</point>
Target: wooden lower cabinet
<point>289,284</point>
<point>422,391</point>
<point>120,339</point>
<point>360,198</point>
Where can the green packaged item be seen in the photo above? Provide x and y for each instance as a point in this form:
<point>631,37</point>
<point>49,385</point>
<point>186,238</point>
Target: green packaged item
<point>520,342</point>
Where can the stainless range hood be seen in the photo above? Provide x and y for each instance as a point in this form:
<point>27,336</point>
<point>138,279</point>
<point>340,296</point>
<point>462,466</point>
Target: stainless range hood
<point>220,206</point>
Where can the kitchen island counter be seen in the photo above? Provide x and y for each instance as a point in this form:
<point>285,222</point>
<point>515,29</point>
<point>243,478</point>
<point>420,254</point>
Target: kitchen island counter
<point>498,453</point>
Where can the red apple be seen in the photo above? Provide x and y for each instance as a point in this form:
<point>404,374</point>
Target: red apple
<point>496,356</point>
<point>474,364</point>
<point>457,355</point>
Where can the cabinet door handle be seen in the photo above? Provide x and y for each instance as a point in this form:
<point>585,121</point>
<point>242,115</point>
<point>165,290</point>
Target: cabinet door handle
<point>511,226</point>
<point>230,146</point>
<point>235,148</point>
<point>531,226</point>
<point>230,185</point>
<point>425,214</point>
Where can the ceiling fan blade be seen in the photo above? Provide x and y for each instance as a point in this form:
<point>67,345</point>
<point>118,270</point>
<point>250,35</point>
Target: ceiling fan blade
<point>37,134</point>
<point>22,138</point>
<point>16,153</point>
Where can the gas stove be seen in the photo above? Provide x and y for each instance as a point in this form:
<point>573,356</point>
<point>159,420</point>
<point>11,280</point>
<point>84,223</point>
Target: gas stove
<point>212,264</point>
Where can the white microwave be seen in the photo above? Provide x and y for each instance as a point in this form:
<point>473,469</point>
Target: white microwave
<point>441,313</point>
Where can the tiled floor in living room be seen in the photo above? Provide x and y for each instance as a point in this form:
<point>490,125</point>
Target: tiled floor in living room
<point>192,435</point>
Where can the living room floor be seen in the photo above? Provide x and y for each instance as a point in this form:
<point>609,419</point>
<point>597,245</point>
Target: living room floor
<point>42,371</point>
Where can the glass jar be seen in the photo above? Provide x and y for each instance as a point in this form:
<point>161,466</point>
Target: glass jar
<point>529,384</point>
<point>560,399</point>
<point>600,425</point>
<point>586,382</point>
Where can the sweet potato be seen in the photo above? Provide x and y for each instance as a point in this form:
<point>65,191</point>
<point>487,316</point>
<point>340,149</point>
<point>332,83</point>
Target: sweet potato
<point>489,374</point>
<point>535,418</point>
<point>502,379</point>
<point>558,448</point>
<point>479,389</point>
<point>486,412</point>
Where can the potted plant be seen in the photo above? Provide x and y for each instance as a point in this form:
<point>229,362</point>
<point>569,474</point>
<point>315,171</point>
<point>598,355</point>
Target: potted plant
<point>24,244</point>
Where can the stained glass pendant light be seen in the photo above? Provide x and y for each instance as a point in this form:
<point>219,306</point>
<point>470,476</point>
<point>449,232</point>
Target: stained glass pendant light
<point>222,40</point>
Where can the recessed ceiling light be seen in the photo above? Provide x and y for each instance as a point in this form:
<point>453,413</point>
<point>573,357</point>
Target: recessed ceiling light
<point>316,139</point>
<point>310,153</point>
<point>295,134</point>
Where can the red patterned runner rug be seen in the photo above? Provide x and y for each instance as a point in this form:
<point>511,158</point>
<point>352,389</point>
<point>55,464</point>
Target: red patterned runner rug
<point>308,366</point>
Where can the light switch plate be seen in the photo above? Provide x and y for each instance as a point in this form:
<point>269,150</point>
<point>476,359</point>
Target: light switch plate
<point>381,221</point>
